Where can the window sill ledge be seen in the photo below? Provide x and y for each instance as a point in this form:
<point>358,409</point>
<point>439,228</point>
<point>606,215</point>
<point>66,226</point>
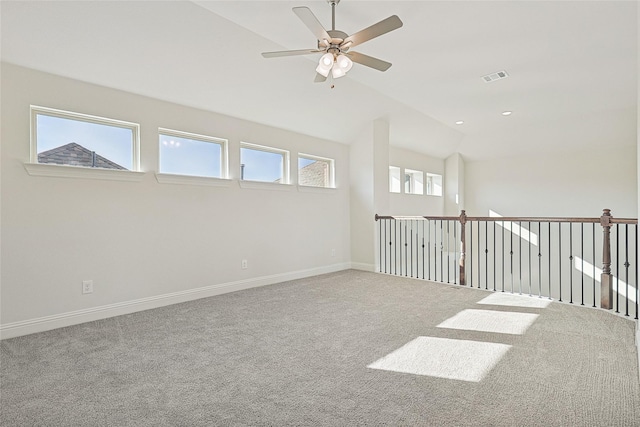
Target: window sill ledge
<point>259,185</point>
<point>63,171</point>
<point>314,189</point>
<point>168,178</point>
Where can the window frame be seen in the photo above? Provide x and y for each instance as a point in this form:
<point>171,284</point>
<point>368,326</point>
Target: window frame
<point>426,186</point>
<point>286,164</point>
<point>411,173</point>
<point>400,183</point>
<point>36,110</point>
<point>332,169</point>
<point>224,151</point>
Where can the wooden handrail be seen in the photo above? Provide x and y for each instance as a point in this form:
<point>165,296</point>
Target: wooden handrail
<point>510,219</point>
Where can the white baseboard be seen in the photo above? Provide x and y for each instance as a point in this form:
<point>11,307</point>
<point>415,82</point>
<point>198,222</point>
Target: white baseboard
<point>41,324</point>
<point>363,266</point>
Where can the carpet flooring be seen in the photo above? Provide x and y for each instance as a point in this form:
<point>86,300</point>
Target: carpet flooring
<point>330,351</point>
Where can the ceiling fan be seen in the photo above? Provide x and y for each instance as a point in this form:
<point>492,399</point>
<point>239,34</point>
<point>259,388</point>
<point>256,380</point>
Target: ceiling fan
<point>335,44</point>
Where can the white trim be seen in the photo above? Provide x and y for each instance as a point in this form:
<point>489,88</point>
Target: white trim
<point>363,266</point>
<point>66,171</point>
<point>61,320</point>
<point>168,178</point>
<point>261,185</point>
<point>52,112</point>
<point>314,189</point>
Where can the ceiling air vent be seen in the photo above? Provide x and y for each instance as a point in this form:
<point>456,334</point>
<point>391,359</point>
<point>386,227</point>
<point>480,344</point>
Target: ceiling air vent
<point>498,75</point>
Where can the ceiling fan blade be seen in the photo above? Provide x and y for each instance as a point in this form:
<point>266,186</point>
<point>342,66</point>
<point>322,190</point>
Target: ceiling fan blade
<point>369,61</point>
<point>382,27</point>
<point>310,20</point>
<point>319,78</point>
<point>290,53</point>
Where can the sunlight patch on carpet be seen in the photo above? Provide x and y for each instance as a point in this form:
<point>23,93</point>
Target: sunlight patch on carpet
<point>444,358</point>
<point>515,300</point>
<point>490,321</point>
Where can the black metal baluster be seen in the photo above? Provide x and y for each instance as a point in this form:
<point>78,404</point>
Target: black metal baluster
<point>511,253</point>
<point>428,250</point>
<point>593,241</point>
<point>406,252</point>
<point>411,248</point>
<point>503,254</point>
<point>384,245</point>
<point>529,239</point>
<point>570,263</point>
<point>539,259</point>
<point>560,260</point>
<point>455,252</point>
<point>479,256</point>
<point>626,268</point>
<point>392,248</point>
<point>417,249</point>
<point>380,246</point>
<point>519,236</point>
<point>636,241</point>
<point>441,252</point>
<point>617,268</point>
<point>423,249</point>
<point>471,254</point>
<point>486,255</point>
<point>549,284</point>
<point>448,250</point>
<point>582,257</point>
<point>494,256</point>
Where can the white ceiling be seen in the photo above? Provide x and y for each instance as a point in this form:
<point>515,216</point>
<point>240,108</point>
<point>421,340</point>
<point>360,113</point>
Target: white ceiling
<point>573,66</point>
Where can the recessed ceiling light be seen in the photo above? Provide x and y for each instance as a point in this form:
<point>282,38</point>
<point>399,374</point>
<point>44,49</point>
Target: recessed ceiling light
<point>506,113</point>
<point>459,122</point>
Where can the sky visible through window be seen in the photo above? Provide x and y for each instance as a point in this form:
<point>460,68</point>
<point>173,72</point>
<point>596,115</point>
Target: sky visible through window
<point>303,161</point>
<point>184,156</point>
<point>112,142</point>
<point>187,156</point>
<point>261,165</point>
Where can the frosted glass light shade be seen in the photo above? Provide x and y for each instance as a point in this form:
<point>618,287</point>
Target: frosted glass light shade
<point>323,70</point>
<point>337,72</point>
<point>325,64</point>
<point>344,62</point>
<point>326,60</point>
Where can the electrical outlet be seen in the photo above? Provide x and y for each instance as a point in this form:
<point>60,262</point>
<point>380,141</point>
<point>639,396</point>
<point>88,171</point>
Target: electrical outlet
<point>245,264</point>
<point>87,286</point>
<point>333,252</point>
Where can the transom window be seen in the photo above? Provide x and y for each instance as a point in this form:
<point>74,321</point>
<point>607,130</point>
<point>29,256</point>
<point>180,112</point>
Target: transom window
<point>265,164</point>
<point>413,181</point>
<point>434,184</point>
<point>183,153</point>
<point>315,171</point>
<point>394,179</point>
<point>74,139</point>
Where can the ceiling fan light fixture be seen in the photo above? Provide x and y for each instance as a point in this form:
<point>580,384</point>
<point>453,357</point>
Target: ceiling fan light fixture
<point>325,64</point>
<point>323,70</point>
<point>337,72</point>
<point>326,60</point>
<point>344,62</point>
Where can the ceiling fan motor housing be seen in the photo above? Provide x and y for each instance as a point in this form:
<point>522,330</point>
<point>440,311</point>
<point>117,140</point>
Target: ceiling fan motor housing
<point>337,37</point>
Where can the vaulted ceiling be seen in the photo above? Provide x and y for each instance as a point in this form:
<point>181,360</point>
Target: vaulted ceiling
<point>572,65</point>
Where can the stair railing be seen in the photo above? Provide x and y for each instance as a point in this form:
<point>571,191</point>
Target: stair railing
<point>549,257</point>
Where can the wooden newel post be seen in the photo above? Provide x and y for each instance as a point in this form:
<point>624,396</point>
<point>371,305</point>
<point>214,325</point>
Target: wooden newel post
<point>606,282</point>
<point>463,221</point>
